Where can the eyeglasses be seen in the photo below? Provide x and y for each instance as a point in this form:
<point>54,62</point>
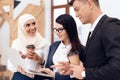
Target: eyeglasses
<point>58,30</point>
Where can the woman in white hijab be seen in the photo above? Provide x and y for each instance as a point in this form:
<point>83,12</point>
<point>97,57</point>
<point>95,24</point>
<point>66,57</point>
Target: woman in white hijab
<point>28,35</point>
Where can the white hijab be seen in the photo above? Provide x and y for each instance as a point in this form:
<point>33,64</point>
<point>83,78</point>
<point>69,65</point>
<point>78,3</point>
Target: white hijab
<point>24,39</point>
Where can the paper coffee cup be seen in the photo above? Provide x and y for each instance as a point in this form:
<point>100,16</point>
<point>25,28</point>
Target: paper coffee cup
<point>74,58</point>
<point>31,47</point>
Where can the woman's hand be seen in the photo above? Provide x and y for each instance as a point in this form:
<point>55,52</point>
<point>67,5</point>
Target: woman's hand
<point>31,54</point>
<point>47,71</point>
<point>22,71</point>
<point>34,56</point>
<point>22,55</point>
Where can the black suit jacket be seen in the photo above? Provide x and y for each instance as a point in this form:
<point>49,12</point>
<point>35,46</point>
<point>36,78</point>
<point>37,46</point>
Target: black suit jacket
<point>102,54</point>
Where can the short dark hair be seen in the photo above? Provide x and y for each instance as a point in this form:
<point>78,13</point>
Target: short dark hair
<point>71,2</point>
<point>95,1</point>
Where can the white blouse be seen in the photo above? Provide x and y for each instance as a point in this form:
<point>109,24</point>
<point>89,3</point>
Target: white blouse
<point>61,54</point>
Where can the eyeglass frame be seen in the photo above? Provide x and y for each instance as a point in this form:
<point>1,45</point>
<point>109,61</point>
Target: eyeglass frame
<point>58,30</point>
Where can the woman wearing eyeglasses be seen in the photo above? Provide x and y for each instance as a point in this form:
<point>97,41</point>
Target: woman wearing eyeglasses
<point>66,30</point>
<point>32,47</point>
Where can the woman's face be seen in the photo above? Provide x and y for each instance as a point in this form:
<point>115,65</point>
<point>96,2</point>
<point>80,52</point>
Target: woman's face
<point>30,27</point>
<point>61,32</point>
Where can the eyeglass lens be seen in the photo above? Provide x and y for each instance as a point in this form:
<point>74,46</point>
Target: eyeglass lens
<point>58,30</point>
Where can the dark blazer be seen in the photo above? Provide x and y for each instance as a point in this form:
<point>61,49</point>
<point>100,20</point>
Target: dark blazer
<point>52,50</point>
<point>102,54</point>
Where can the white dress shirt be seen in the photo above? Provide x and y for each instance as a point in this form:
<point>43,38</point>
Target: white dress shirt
<point>95,24</point>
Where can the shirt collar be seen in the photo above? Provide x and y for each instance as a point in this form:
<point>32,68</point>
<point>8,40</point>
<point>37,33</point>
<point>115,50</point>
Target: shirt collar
<point>95,23</point>
<point>64,46</point>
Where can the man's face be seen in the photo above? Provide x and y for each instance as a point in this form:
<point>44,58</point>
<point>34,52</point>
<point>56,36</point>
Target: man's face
<point>82,11</point>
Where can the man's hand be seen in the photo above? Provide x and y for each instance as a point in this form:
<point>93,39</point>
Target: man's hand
<point>63,68</point>
<point>66,68</point>
<point>77,70</point>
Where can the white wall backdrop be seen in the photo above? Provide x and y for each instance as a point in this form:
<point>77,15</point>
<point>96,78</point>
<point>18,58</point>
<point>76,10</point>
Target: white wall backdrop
<point>111,7</point>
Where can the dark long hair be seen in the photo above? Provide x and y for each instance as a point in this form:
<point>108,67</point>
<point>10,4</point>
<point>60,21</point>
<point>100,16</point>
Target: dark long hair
<point>69,24</point>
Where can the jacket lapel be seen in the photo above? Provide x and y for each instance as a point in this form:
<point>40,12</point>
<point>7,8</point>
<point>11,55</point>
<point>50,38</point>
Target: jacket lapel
<point>99,25</point>
<point>51,53</point>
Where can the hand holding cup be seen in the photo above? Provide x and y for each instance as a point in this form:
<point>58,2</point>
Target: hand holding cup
<point>74,57</point>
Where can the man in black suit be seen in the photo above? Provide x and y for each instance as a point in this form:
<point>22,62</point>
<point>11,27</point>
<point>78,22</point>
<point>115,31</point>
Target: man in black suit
<point>101,58</point>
